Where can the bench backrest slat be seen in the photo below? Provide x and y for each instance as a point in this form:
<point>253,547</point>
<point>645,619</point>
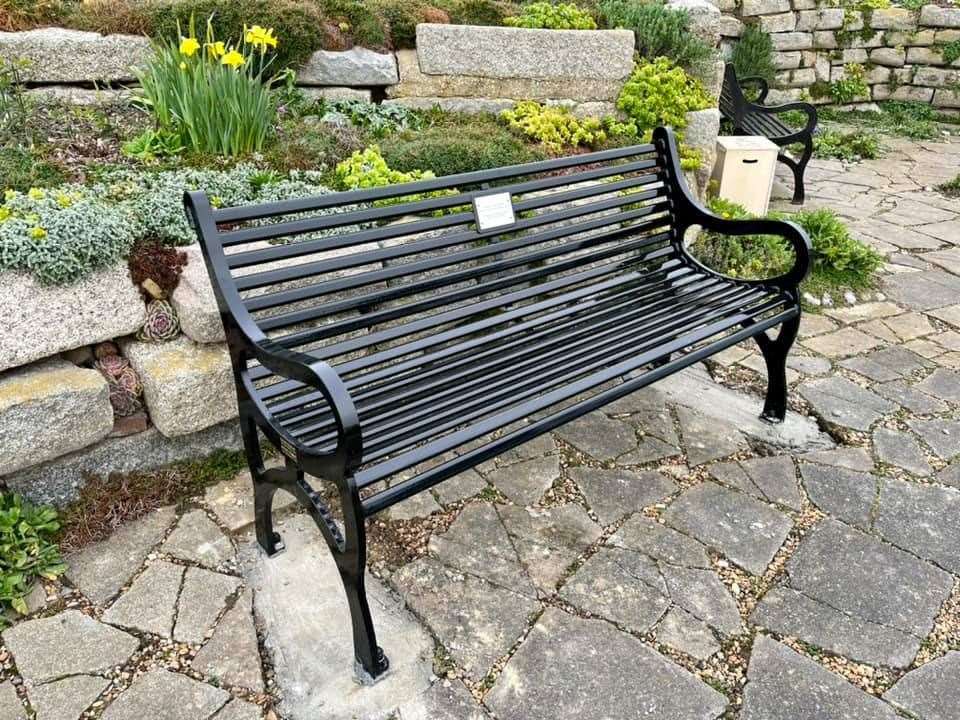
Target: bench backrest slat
<point>312,273</point>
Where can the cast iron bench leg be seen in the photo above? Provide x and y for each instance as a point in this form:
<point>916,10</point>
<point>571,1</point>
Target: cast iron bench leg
<point>798,167</point>
<point>775,355</point>
<point>371,663</point>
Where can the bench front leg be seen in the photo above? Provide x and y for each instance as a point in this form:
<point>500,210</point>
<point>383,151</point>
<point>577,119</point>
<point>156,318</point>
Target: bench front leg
<point>775,351</point>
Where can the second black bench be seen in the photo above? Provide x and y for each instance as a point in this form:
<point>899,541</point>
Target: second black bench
<point>385,343</point>
<point>755,118</point>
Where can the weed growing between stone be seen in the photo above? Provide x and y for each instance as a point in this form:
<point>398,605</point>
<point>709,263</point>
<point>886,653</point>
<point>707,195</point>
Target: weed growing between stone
<point>951,188</point>
<point>27,549</point>
<point>851,146</point>
<point>918,121</point>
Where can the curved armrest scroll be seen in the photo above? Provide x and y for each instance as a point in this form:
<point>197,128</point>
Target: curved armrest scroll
<point>756,80</point>
<point>322,377</point>
<point>807,108</point>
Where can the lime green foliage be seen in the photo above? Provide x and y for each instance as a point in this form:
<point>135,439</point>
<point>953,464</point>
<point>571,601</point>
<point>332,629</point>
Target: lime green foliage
<point>659,92</point>
<point>213,94</point>
<point>27,549</point>
<point>845,146</point>
<point>660,32</point>
<point>378,120</point>
<point>457,145</point>
<point>838,260</point>
<point>562,16</point>
<point>951,52</point>
<point>367,169</point>
<point>24,169</point>
<point>299,23</point>
<point>557,129</point>
<point>951,188</point>
<point>851,86</point>
<point>752,54</point>
<point>62,234</point>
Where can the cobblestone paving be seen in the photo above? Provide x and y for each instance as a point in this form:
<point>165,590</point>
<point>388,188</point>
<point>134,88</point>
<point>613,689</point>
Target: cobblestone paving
<point>667,557</point>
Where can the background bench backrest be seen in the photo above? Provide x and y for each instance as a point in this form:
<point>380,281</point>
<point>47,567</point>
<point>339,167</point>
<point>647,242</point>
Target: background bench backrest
<point>336,274</point>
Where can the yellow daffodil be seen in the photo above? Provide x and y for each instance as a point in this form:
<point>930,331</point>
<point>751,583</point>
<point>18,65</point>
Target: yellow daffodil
<point>38,233</point>
<point>189,46</point>
<point>216,49</point>
<point>261,38</point>
<point>233,59</point>
<point>36,194</point>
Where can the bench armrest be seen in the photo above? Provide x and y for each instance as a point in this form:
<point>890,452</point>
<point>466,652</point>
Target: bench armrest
<point>688,211</point>
<point>792,232</point>
<point>807,108</point>
<point>322,377</point>
<point>756,80</point>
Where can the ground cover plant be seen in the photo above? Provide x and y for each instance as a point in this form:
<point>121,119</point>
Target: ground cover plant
<point>27,549</point>
<point>850,146</point>
<point>918,121</point>
<point>838,262</point>
<point>559,16</point>
<point>951,188</point>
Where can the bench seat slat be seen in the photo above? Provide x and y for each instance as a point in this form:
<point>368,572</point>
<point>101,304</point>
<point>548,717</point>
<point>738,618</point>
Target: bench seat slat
<point>505,371</point>
<point>524,410</point>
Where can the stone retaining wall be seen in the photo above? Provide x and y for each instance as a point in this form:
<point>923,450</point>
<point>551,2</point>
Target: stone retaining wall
<point>899,48</point>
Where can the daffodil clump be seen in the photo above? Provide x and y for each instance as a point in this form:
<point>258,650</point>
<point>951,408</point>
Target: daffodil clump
<point>62,234</point>
<point>214,95</point>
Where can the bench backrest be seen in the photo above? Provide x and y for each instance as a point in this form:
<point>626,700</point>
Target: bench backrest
<point>337,274</point>
<point>732,100</point>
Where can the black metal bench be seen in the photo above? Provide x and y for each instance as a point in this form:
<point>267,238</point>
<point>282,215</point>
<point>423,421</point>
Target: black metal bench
<point>755,118</point>
<point>406,334</point>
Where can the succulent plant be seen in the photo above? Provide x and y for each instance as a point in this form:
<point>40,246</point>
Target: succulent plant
<point>123,401</point>
<point>112,365</point>
<point>161,324</point>
<point>101,350</point>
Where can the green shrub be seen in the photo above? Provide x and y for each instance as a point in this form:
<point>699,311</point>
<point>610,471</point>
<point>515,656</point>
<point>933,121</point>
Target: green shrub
<point>358,20</point>
<point>378,120</point>
<point>446,150</point>
<point>305,145</point>
<point>26,14</point>
<point>835,250</point>
<point>951,188</point>
<point>752,54</point>
<point>298,23</point>
<point>22,170</point>
<point>368,169</point>
<point>479,12</point>
<point>660,32</point>
<point>846,146</point>
<point>401,18</point>
<point>27,549</point>
<point>562,16</point>
<point>215,96</point>
<point>61,235</point>
<point>14,113</point>
<point>951,52</point>
<point>851,86</point>
<point>660,93</point>
<point>909,119</point>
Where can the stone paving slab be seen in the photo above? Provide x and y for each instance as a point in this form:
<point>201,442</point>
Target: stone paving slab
<point>932,691</point>
<point>772,479</point>
<point>784,685</point>
<point>232,655</point>
<point>101,569</point>
<point>150,605</point>
<point>842,402</point>
<point>612,494</point>
<point>312,652</point>
<point>164,695</point>
<point>861,576</point>
<point>788,612</point>
<point>197,538</point>
<point>70,643</point>
<point>746,531</point>
<point>923,519</point>
<point>10,705</point>
<point>66,698</point>
<point>682,631</point>
<point>202,599</point>
<point>846,494</point>
<point>536,682</point>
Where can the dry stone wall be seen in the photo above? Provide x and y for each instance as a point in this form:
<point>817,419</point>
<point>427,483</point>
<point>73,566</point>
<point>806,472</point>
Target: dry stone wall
<point>901,49</point>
